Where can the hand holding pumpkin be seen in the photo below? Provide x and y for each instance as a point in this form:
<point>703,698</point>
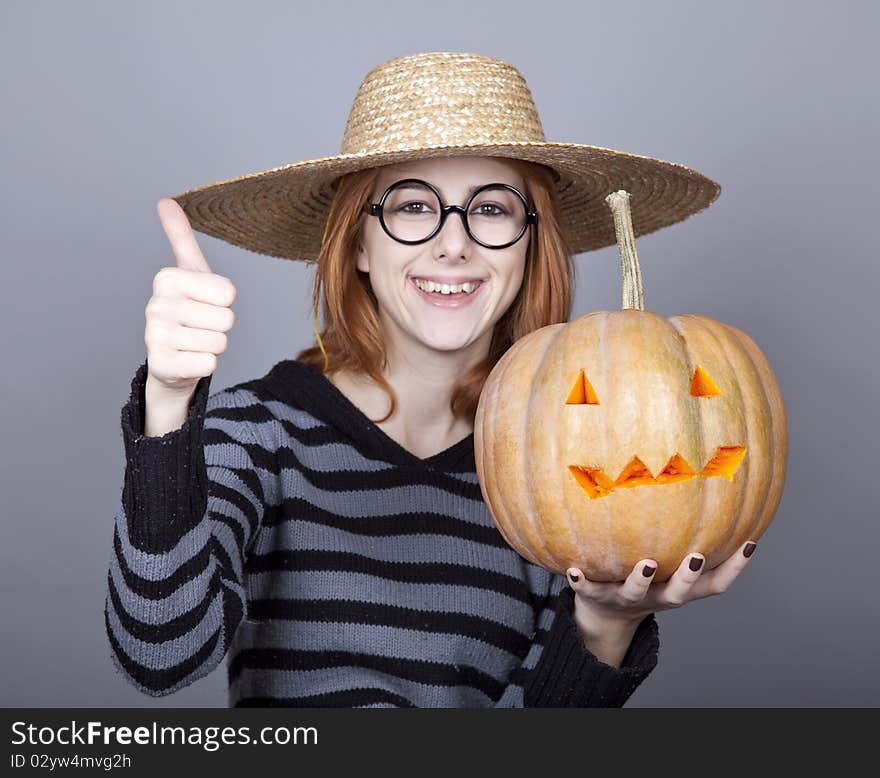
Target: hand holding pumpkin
<point>619,606</point>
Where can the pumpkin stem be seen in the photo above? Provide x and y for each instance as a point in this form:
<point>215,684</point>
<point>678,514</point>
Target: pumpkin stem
<point>631,273</point>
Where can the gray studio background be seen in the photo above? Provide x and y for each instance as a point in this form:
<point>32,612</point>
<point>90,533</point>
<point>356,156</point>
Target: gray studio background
<point>107,107</point>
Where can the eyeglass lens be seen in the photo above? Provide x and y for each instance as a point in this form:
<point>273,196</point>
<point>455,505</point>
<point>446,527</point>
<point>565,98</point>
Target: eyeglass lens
<point>495,216</point>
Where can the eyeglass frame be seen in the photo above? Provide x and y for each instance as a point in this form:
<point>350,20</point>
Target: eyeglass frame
<point>377,210</point>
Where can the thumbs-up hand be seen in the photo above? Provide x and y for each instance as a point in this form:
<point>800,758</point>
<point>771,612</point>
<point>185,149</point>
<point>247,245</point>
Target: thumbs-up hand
<point>189,314</point>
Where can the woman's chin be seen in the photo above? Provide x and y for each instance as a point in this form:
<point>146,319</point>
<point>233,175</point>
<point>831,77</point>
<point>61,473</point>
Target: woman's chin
<point>447,342</point>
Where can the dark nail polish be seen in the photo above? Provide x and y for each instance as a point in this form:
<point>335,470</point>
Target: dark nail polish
<point>749,549</point>
<point>574,577</point>
<point>648,570</point>
<point>696,563</point>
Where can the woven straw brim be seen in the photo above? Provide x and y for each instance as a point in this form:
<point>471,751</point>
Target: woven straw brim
<point>282,212</point>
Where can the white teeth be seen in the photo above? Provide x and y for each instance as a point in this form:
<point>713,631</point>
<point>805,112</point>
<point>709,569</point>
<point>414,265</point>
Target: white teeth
<point>430,286</point>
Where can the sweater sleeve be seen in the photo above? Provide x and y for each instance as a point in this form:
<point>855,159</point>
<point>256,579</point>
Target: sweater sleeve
<point>192,503</point>
<point>559,671</point>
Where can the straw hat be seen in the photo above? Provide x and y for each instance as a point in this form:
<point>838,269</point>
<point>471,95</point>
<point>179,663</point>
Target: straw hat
<point>444,104</point>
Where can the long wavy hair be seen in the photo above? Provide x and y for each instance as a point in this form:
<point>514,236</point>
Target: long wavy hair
<point>352,339</point>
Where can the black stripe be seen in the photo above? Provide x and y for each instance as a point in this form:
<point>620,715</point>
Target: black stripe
<point>382,614</point>
<point>346,698</point>
<point>409,572</point>
<point>405,523</point>
<point>227,570</point>
<point>419,671</point>
<point>234,527</point>
<point>401,474</point>
<point>160,680</point>
<point>370,480</point>
<point>233,612</point>
<point>213,436</point>
<point>254,413</point>
<point>257,413</point>
<point>297,385</point>
<point>300,385</point>
<point>519,675</point>
<point>169,630</point>
<point>160,588</point>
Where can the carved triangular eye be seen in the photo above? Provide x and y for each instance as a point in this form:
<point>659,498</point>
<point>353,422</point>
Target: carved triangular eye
<point>702,385</point>
<point>582,393</point>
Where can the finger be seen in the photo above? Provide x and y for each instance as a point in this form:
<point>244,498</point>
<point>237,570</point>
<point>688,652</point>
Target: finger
<point>210,288</point>
<point>636,586</point>
<point>207,288</point>
<point>181,236</point>
<point>590,589</point>
<point>677,589</point>
<point>720,579</point>
<point>204,316</point>
<point>194,339</point>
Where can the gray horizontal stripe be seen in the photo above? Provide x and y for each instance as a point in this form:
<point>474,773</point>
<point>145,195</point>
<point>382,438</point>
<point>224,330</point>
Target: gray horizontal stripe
<point>220,474</point>
<point>332,457</point>
<point>199,672</point>
<point>221,457</point>
<point>297,417</point>
<point>378,640</point>
<point>183,599</point>
<point>158,567</point>
<point>161,656</point>
<point>329,457</point>
<point>226,538</point>
<point>511,698</point>
<point>468,478</point>
<point>217,506</point>
<point>397,499</point>
<point>302,534</point>
<point>286,683</point>
<point>449,598</point>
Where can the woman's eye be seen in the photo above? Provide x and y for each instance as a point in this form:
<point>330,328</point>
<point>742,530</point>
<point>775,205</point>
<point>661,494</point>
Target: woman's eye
<point>414,207</point>
<point>485,209</point>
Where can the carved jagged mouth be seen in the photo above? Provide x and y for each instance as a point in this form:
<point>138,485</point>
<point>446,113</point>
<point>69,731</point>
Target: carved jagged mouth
<point>595,483</point>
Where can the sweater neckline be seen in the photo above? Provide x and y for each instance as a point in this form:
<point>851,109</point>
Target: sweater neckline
<point>304,386</point>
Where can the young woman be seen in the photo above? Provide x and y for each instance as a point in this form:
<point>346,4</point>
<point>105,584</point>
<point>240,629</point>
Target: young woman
<point>323,526</point>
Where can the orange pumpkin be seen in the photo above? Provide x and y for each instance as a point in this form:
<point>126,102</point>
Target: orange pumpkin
<point>622,436</point>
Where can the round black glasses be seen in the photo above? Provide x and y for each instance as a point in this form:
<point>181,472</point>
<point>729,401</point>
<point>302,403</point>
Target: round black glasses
<point>411,211</point>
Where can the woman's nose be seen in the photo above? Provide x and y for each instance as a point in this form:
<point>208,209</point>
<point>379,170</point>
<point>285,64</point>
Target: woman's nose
<point>453,239</point>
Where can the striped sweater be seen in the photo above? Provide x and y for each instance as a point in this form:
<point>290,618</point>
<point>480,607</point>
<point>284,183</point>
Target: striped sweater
<point>282,529</point>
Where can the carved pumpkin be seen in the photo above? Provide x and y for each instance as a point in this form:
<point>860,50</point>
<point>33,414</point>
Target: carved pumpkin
<point>622,436</point>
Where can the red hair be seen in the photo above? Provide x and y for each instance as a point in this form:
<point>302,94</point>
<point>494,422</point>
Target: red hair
<point>352,339</point>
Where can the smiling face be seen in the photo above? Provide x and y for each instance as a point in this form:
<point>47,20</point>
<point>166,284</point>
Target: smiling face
<point>407,279</point>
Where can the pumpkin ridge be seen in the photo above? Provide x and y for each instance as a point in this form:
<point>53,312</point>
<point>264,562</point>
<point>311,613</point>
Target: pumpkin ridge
<point>508,523</point>
<point>758,519</point>
<point>574,525</point>
<point>718,332</point>
<point>607,515</point>
<point>526,458</point>
<point>678,322</point>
